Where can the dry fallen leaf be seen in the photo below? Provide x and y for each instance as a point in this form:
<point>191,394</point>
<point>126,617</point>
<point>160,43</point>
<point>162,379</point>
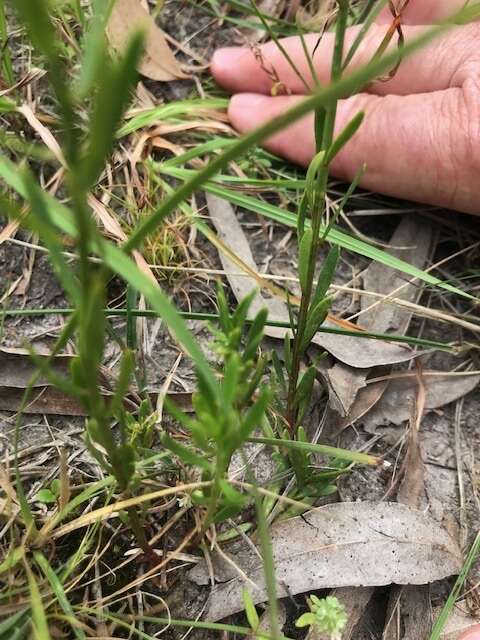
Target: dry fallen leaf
<point>158,62</point>
<point>394,407</point>
<point>411,242</point>
<point>17,369</point>
<point>361,353</point>
<point>339,545</point>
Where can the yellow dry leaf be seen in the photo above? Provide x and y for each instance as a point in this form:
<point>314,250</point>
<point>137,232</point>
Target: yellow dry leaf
<point>158,62</point>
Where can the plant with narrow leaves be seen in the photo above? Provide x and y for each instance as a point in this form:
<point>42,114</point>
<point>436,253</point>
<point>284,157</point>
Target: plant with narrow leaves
<point>225,420</point>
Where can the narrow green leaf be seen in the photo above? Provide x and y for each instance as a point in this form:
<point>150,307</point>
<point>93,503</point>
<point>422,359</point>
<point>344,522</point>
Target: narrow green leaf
<point>12,558</point>
<point>304,251</point>
<point>59,592</point>
<point>250,611</point>
<point>255,414</point>
<point>112,99</point>
<point>13,625</point>
<point>344,136</point>
<point>305,620</point>
<point>46,496</point>
<point>327,274</point>
<point>316,317</point>
<point>39,617</point>
<point>333,452</point>
<point>472,556</point>
<point>94,48</point>
<point>255,334</point>
<point>186,454</point>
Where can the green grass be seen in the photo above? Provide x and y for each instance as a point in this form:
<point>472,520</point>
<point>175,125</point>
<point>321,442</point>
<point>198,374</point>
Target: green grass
<point>244,394</point>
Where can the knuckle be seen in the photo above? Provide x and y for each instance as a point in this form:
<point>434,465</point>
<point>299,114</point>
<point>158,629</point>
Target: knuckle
<point>469,123</point>
<point>464,49</point>
<point>459,117</point>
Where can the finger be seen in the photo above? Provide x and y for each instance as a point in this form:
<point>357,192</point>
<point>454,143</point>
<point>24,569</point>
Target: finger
<point>471,634</point>
<point>416,147</point>
<point>424,11</point>
<point>440,65</point>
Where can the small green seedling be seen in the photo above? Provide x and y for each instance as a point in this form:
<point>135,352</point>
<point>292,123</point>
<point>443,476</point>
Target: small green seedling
<point>326,616</point>
<point>49,495</point>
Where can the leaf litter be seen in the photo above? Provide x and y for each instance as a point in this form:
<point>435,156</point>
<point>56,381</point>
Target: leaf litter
<point>339,545</point>
<point>441,388</point>
<point>16,373</point>
<point>158,62</point>
<point>412,242</point>
<point>348,389</point>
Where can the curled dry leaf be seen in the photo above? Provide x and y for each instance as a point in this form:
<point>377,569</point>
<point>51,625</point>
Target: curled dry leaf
<point>17,369</point>
<point>158,62</point>
<point>339,545</point>
<point>411,242</point>
<point>395,405</point>
<point>361,353</point>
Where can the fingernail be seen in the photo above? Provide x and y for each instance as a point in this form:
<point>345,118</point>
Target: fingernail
<point>472,634</point>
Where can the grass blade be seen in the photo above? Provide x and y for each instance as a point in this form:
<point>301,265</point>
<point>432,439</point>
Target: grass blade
<point>39,617</point>
<point>448,606</point>
<point>59,592</point>
<point>333,452</point>
<point>335,236</point>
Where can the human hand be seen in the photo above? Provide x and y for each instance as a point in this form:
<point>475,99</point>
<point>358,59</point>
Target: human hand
<point>421,135</point>
<point>471,634</point>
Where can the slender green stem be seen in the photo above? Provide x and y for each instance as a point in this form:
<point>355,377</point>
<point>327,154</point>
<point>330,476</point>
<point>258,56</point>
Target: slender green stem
<point>209,317</point>
<point>327,119</point>
<point>7,68</point>
<point>336,72</point>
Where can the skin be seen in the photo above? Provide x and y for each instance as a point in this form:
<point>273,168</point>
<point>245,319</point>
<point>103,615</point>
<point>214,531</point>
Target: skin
<point>421,135</point>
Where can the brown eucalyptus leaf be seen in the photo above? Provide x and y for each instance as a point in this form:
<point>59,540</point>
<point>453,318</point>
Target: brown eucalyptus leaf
<point>158,62</point>
<point>339,380</point>
<point>17,367</point>
<point>357,352</point>
<point>50,401</point>
<point>395,405</point>
<point>411,242</point>
<point>43,400</point>
<point>366,398</point>
<point>339,545</point>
